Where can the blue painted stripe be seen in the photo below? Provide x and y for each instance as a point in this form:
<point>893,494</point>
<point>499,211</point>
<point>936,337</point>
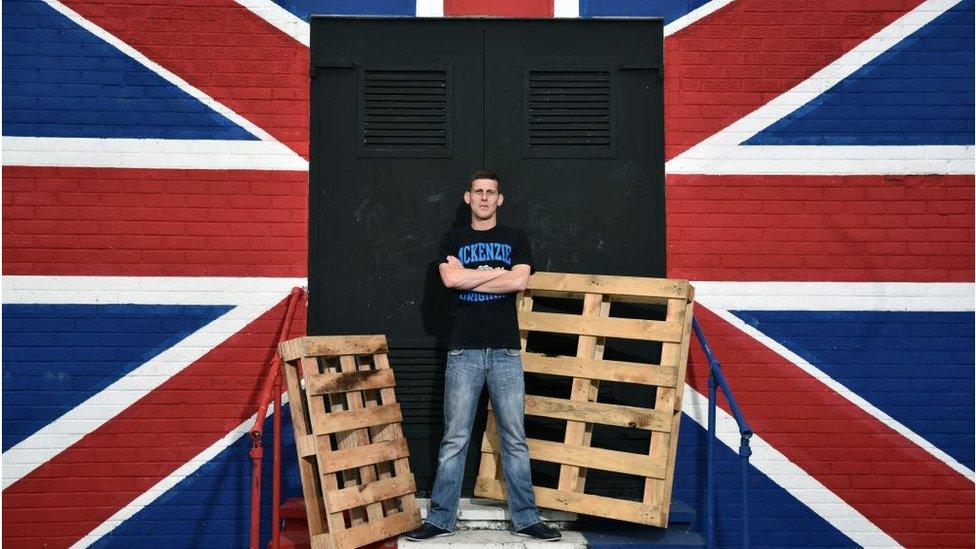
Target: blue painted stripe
<point>668,9</point>
<point>57,356</point>
<point>59,80</point>
<point>305,8</point>
<point>776,518</point>
<point>920,92</point>
<point>211,507</point>
<point>915,366</point>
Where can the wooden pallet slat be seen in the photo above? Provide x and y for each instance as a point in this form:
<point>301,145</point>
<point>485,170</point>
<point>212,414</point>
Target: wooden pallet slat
<point>588,369</point>
<point>356,456</point>
<point>387,527</point>
<point>603,370</point>
<point>625,328</point>
<point>374,492</point>
<point>578,433</point>
<point>320,384</point>
<point>590,458</point>
<point>576,502</point>
<point>352,454</point>
<point>572,283</point>
<point>594,412</point>
<point>359,418</point>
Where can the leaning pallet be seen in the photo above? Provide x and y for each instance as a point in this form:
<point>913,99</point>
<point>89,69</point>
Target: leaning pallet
<point>352,456</point>
<point>587,369</point>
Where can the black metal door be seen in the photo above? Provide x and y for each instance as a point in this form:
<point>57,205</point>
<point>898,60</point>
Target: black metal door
<point>569,112</point>
<point>574,123</point>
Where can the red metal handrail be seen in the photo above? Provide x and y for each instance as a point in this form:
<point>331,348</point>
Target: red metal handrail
<point>271,389</point>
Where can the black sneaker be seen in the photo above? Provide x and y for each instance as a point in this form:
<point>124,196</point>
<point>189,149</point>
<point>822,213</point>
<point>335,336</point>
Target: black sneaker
<point>540,532</point>
<point>428,531</point>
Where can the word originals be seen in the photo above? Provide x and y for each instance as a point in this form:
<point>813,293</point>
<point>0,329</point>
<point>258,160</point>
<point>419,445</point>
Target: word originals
<point>485,251</point>
<point>478,296</point>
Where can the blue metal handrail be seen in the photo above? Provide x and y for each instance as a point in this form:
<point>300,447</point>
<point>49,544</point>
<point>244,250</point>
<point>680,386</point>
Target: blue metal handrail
<point>715,380</point>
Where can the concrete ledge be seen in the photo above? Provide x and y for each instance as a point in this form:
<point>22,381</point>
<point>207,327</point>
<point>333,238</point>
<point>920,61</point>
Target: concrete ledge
<point>495,539</point>
<point>489,514</point>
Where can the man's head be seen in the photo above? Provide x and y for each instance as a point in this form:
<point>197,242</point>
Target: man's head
<point>483,195</point>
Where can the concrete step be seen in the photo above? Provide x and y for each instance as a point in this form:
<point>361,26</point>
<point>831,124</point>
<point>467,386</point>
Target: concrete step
<point>484,523</point>
<point>495,539</point>
<point>489,514</point>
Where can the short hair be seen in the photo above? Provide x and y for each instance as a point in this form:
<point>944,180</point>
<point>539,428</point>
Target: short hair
<point>485,174</point>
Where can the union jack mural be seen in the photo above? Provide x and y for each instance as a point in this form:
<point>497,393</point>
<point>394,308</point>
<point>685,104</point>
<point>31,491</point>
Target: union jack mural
<point>820,197</point>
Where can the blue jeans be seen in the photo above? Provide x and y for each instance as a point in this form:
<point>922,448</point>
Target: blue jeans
<point>467,372</point>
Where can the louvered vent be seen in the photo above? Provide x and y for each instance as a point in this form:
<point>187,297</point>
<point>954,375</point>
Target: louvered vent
<point>569,113</point>
<point>405,113</point>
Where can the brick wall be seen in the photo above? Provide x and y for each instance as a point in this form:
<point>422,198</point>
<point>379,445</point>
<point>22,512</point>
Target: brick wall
<point>63,80</point>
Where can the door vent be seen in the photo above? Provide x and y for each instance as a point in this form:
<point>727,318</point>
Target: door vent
<point>568,113</point>
<point>406,113</point>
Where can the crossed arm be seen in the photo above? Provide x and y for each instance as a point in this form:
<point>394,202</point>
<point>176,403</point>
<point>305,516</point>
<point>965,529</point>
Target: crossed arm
<point>497,281</point>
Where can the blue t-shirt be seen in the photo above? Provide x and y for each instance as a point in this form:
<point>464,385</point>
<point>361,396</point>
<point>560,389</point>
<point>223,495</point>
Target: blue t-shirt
<point>482,319</point>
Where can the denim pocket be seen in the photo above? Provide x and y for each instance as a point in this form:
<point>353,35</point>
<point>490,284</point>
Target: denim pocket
<point>513,352</point>
<point>454,352</point>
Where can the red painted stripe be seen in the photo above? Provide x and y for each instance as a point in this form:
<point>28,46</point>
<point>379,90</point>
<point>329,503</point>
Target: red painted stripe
<point>887,478</point>
<point>821,228</point>
<point>737,59</point>
<point>64,499</point>
<point>226,51</point>
<point>499,8</point>
<point>104,221</point>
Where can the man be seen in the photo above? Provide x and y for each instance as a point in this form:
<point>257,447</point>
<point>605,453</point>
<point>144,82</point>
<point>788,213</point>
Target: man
<point>486,264</point>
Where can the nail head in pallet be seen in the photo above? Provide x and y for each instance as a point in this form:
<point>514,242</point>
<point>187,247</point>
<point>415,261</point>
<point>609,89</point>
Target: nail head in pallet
<point>587,369</point>
<point>352,456</point>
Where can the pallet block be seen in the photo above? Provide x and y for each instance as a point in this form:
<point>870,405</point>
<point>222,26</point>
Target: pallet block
<point>352,456</point>
<point>581,410</point>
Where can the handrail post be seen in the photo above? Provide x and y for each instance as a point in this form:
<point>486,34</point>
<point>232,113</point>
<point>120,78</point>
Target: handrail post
<point>272,384</point>
<point>717,381</point>
<point>744,452</point>
<point>276,466</point>
<point>257,453</point>
<point>710,466</point>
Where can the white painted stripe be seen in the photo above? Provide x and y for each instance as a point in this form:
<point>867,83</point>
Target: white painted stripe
<point>566,8</point>
<point>146,498</point>
<point>800,484</point>
<point>280,18</point>
<point>694,15</point>
<point>836,296</point>
<point>191,154</point>
<point>846,393</point>
<point>146,290</point>
<point>298,29</point>
<point>824,160</point>
<point>709,155</point>
<point>430,8</point>
<point>160,70</point>
<point>55,437</point>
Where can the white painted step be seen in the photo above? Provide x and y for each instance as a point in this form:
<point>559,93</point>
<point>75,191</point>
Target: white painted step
<point>494,539</point>
<point>489,514</point>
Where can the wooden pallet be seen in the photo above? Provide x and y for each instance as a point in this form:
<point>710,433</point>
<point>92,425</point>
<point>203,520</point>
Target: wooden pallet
<point>352,456</point>
<point>587,369</point>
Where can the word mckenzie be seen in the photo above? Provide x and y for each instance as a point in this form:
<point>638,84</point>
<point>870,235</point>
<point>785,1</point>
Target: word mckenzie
<point>485,251</point>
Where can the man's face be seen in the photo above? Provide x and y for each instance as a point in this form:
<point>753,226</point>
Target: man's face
<point>484,198</point>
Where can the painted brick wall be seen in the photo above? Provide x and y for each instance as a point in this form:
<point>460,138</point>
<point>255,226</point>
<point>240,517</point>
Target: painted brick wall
<point>154,222</point>
<point>854,228</point>
<point>244,224</point>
